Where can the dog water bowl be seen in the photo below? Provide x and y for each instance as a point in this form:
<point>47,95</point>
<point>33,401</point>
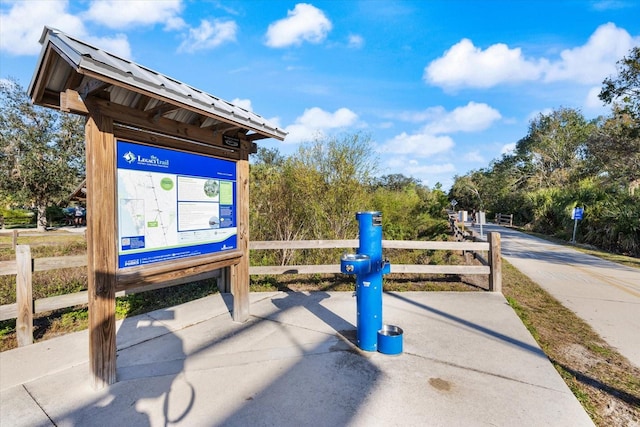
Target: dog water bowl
<point>390,339</point>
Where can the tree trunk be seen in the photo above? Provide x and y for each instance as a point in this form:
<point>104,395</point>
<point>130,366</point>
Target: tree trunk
<point>41,220</point>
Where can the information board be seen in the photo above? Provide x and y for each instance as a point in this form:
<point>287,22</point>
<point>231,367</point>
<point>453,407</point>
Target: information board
<point>173,205</point>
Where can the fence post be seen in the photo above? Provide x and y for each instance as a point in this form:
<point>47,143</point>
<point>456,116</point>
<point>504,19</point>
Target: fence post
<point>24,296</point>
<point>14,240</point>
<point>495,262</point>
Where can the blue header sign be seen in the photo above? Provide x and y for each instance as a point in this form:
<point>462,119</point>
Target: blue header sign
<point>173,205</point>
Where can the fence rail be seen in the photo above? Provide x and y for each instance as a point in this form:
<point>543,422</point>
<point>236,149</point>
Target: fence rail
<point>23,267</point>
<point>504,219</point>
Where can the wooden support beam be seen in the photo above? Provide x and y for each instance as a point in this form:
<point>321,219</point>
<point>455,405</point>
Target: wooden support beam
<point>160,110</point>
<point>101,255</point>
<point>240,271</point>
<point>91,86</point>
<point>72,102</point>
<point>175,270</point>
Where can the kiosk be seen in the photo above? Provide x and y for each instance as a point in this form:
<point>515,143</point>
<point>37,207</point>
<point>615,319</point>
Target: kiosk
<point>167,179</point>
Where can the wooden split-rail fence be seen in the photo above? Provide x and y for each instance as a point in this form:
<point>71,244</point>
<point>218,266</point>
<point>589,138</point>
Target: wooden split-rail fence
<point>504,219</point>
<point>24,265</point>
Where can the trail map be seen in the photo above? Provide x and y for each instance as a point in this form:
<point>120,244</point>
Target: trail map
<point>172,204</point>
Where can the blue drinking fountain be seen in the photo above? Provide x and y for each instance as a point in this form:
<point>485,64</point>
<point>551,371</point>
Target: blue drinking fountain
<point>369,266</point>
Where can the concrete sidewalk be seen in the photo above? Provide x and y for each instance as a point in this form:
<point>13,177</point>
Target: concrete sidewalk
<point>467,360</point>
<point>604,294</point>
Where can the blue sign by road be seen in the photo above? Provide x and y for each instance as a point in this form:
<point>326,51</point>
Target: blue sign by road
<point>577,213</point>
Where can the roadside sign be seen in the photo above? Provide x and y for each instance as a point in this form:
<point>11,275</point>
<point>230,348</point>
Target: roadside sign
<point>577,213</point>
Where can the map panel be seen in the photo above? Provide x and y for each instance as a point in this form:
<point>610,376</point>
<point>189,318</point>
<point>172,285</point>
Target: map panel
<point>173,204</point>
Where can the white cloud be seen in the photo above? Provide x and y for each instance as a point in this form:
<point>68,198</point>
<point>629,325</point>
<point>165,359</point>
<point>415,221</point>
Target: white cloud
<point>594,61</point>
<point>432,138</point>
<point>208,35</point>
<point>315,122</point>
<point>426,173</point>
<point>508,148</point>
<point>119,15</point>
<point>117,45</point>
<point>592,100</point>
<point>21,27</point>
<point>243,103</point>
<point>304,23</point>
<point>473,117</point>
<point>465,65</point>
<point>604,5</point>
<point>355,41</point>
<point>417,144</point>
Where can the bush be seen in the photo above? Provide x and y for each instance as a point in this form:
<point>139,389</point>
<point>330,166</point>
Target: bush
<point>13,218</point>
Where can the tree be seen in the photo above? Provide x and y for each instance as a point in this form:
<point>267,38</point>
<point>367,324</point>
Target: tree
<point>624,90</point>
<point>343,169</point>
<point>42,157</point>
<point>313,194</point>
<point>397,181</point>
<point>615,148</point>
<point>555,147</point>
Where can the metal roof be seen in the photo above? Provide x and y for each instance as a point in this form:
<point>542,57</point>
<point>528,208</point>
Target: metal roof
<point>68,63</point>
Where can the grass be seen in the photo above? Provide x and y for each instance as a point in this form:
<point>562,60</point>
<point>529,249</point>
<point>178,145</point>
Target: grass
<point>606,384</point>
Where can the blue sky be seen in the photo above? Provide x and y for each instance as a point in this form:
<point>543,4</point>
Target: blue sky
<point>441,87</point>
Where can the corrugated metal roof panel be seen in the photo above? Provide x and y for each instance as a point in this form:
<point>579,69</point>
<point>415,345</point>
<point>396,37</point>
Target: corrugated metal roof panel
<point>87,59</point>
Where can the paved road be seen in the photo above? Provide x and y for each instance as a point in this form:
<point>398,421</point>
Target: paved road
<point>604,294</point>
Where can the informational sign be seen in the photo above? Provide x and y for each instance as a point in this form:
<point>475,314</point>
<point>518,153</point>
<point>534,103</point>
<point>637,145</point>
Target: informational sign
<point>173,205</point>
<point>482,218</point>
<point>577,213</point>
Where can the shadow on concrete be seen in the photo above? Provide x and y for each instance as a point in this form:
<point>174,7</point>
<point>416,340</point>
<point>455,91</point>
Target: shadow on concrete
<point>322,384</point>
<point>326,388</point>
<point>523,345</point>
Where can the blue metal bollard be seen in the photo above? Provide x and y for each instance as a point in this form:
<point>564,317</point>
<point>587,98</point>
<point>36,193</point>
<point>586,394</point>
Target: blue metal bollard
<point>369,266</point>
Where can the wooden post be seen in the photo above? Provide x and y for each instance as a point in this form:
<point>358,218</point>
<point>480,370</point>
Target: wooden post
<point>101,256</point>
<point>240,271</point>
<point>14,240</point>
<point>24,296</point>
<point>495,262</point>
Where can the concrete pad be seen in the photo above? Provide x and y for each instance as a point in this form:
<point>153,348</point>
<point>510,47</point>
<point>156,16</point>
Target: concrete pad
<point>467,360</point>
<point>17,409</point>
<point>25,364</point>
